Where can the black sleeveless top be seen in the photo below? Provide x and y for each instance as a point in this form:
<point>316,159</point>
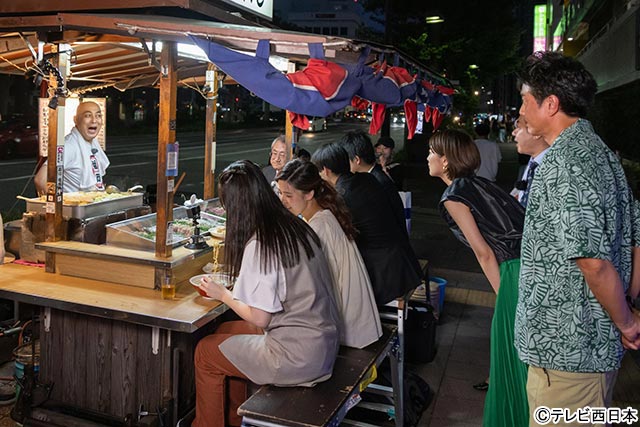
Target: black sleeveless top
<point>499,216</point>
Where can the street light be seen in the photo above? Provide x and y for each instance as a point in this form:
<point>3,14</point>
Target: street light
<point>433,19</point>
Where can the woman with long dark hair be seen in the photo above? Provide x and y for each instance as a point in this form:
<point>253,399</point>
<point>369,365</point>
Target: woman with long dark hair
<point>490,221</point>
<point>305,194</point>
<point>283,293</point>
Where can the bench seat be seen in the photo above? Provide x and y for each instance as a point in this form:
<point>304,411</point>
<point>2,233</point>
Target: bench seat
<point>327,403</point>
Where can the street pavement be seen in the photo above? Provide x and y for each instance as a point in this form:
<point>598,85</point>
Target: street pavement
<point>463,331</point>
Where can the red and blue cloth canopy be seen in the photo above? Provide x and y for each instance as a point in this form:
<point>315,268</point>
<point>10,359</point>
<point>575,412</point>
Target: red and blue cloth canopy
<point>324,87</point>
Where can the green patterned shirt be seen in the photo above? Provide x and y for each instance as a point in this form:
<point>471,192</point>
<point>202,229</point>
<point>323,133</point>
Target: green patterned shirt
<point>580,206</point>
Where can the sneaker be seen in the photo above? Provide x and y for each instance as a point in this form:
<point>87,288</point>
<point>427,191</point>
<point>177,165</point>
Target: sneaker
<point>483,386</point>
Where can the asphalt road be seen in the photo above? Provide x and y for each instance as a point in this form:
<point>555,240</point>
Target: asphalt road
<point>133,159</point>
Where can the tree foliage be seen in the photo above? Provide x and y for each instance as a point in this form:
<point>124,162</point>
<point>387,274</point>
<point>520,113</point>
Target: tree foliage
<point>483,33</point>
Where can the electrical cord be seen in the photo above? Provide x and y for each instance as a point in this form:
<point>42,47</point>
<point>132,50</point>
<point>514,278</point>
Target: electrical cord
<point>24,189</point>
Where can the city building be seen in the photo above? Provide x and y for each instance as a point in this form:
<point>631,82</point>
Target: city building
<point>603,35</point>
<point>328,17</point>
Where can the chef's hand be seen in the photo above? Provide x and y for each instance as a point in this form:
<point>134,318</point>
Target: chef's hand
<point>213,289</point>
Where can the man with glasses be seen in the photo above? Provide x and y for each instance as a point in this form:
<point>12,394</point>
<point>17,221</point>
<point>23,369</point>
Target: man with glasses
<point>277,159</point>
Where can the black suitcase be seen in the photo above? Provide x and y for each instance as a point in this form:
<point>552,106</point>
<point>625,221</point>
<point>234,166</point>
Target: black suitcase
<point>420,333</point>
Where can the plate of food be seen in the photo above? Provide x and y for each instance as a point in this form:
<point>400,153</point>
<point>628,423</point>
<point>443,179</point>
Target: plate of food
<point>217,211</point>
<point>218,231</point>
<point>223,278</point>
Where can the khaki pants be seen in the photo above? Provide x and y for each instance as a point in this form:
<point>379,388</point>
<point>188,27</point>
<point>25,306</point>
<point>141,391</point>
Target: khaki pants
<point>572,390</point>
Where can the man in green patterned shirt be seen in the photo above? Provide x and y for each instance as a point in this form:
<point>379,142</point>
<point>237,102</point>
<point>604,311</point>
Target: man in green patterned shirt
<point>572,319</point>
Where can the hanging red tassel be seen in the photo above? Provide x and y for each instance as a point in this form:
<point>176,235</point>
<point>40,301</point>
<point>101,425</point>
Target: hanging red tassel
<point>299,120</point>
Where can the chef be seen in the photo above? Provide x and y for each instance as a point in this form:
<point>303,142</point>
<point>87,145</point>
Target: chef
<point>85,163</point>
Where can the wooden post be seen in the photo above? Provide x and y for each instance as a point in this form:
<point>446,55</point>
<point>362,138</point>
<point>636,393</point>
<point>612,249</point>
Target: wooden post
<point>55,154</point>
<point>166,136</point>
<point>288,135</point>
<point>213,82</point>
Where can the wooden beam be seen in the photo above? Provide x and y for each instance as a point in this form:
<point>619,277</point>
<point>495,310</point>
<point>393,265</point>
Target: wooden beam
<point>288,134</point>
<point>213,82</point>
<point>132,63</point>
<point>114,59</point>
<point>132,67</point>
<point>176,28</point>
<point>200,6</point>
<point>8,23</point>
<point>166,136</point>
<point>9,44</point>
<point>83,37</point>
<point>55,164</point>
<point>31,6</point>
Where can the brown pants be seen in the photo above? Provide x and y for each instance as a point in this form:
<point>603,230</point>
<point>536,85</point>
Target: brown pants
<point>220,386</point>
<point>572,390</point>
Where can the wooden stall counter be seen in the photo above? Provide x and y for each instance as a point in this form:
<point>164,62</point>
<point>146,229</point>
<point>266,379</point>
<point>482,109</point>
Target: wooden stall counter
<point>113,349</point>
<point>186,313</point>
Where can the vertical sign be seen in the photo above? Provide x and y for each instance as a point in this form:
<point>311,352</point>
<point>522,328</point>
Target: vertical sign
<point>539,27</point>
<point>557,34</point>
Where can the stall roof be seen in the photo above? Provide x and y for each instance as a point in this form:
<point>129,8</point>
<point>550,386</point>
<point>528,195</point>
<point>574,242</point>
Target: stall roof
<point>214,9</point>
<point>114,50</point>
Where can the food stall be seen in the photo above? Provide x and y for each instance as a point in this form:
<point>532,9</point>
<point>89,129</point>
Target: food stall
<point>115,350</point>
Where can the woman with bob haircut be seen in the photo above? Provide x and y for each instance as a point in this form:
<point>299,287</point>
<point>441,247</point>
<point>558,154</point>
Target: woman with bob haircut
<point>283,292</point>
<point>488,220</point>
<point>306,195</point>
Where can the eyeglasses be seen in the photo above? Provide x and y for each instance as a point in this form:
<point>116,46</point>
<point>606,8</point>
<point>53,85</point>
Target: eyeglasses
<point>279,155</point>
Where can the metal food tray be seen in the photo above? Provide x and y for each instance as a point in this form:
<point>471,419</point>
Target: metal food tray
<point>125,234</point>
<point>92,209</point>
<point>211,205</point>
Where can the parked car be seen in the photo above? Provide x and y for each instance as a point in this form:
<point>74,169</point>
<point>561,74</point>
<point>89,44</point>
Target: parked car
<point>317,124</point>
<point>18,139</point>
<point>398,118</point>
<point>364,117</point>
<point>351,116</point>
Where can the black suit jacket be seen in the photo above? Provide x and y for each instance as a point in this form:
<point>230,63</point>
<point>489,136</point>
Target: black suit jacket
<point>269,173</point>
<point>391,263</point>
<point>396,172</point>
<point>392,195</point>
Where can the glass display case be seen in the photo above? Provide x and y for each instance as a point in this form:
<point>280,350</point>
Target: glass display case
<point>140,232</point>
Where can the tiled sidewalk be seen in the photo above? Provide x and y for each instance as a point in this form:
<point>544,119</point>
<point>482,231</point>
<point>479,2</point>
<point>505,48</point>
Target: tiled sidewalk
<point>463,356</point>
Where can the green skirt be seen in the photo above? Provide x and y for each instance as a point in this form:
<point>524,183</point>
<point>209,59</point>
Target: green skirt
<point>506,403</point>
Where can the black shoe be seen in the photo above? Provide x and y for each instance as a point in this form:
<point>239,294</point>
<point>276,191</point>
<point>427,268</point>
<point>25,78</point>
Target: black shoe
<point>483,386</point>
